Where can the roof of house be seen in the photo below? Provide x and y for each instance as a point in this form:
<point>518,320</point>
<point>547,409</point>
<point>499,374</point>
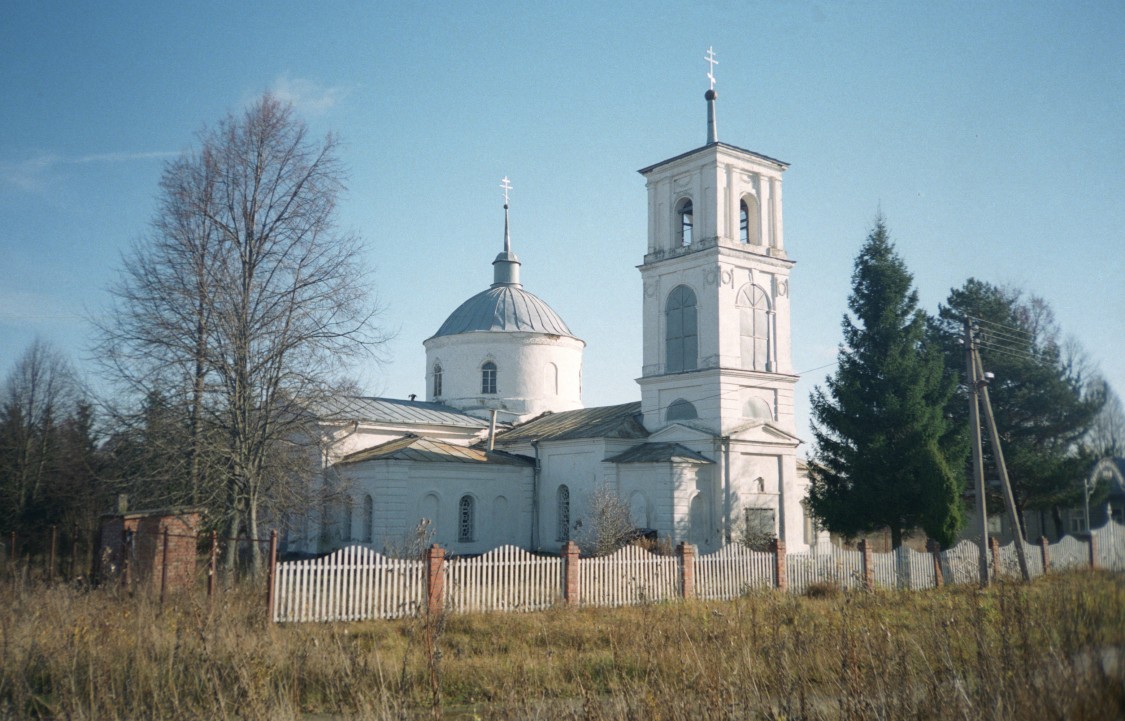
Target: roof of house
<point>660,453</point>
<point>416,448</point>
<point>393,410</point>
<point>621,421</point>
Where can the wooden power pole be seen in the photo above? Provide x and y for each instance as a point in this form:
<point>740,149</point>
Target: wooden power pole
<point>978,462</point>
<point>998,454</point>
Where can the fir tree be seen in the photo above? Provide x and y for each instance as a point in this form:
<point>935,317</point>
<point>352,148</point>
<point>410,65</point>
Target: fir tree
<point>884,449</point>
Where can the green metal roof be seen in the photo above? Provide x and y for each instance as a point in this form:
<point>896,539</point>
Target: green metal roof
<point>416,448</point>
<point>623,421</point>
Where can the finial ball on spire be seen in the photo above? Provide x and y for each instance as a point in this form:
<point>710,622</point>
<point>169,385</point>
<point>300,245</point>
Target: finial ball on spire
<point>710,95</point>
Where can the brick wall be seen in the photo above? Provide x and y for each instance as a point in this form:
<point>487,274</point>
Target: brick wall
<point>146,552</point>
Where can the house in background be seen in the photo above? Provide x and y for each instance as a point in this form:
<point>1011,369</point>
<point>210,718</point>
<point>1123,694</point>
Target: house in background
<point>503,450</point>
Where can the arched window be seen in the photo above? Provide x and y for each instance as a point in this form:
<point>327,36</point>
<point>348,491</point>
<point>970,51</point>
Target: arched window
<point>758,409</point>
<point>368,519</point>
<point>437,380</point>
<point>346,532</point>
<point>466,519</point>
<point>682,342</point>
<point>755,328</point>
<point>681,410</point>
<point>488,378</point>
<point>749,227</point>
<point>686,218</point>
<point>562,520</point>
<point>551,378</point>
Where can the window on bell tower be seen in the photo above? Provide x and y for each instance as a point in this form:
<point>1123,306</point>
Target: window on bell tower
<point>686,218</point>
<point>437,380</point>
<point>681,331</point>
<point>755,328</point>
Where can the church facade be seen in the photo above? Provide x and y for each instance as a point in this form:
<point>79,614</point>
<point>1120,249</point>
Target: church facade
<point>502,451</point>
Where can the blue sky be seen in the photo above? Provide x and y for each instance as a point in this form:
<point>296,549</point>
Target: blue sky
<point>991,136</point>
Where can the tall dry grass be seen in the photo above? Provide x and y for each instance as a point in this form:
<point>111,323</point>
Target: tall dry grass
<point>1054,649</point>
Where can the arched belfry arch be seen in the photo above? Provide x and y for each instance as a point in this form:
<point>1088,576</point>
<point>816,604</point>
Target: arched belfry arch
<point>749,220</point>
<point>756,328</point>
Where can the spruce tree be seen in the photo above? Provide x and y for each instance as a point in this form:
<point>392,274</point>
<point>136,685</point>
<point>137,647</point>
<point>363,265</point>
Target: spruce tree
<point>884,448</point>
<point>1044,396</point>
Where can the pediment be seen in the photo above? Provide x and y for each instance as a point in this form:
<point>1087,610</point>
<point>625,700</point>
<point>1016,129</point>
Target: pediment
<point>680,433</point>
<point>763,432</point>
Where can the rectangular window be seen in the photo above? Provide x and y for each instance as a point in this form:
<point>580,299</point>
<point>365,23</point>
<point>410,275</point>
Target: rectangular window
<point>488,378</point>
<point>758,528</point>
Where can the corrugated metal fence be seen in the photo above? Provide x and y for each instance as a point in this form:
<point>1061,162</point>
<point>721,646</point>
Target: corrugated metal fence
<point>357,583</point>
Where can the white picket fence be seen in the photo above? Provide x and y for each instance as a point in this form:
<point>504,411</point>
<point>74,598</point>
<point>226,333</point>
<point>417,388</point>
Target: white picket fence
<point>352,584</point>
<point>628,576</point>
<point>838,566</point>
<point>732,571</point>
<point>357,583</point>
<point>506,579</point>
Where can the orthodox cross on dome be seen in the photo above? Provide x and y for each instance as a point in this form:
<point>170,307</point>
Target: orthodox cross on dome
<point>506,185</point>
<point>712,62</point>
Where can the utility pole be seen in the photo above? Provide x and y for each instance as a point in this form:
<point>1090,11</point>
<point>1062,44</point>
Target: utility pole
<point>998,454</point>
<point>978,463</point>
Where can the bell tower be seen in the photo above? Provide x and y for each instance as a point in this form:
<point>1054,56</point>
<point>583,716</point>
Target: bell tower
<point>717,352</point>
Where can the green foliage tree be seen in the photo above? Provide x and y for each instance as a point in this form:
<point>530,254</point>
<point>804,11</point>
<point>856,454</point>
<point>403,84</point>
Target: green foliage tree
<point>884,449</point>
<point>1045,398</point>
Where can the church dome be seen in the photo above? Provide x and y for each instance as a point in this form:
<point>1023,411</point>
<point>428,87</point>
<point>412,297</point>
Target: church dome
<point>504,308</point>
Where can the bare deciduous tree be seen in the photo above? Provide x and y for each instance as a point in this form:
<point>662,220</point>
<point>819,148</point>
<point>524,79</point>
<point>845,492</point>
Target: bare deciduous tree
<point>40,392</point>
<point>609,525</point>
<point>1107,436</point>
<point>244,305</point>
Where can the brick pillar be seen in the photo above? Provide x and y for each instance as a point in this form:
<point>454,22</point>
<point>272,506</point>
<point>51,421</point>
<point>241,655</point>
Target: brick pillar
<point>868,565</point>
<point>571,589</point>
<point>994,546</point>
<point>777,548</point>
<point>686,552</point>
<point>935,549</point>
<point>1092,546</point>
<point>1045,554</point>
<point>435,579</point>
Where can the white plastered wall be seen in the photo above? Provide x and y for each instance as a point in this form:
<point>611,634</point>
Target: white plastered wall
<point>535,372</point>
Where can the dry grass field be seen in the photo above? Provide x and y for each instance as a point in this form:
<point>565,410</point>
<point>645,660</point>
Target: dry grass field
<point>1054,649</point>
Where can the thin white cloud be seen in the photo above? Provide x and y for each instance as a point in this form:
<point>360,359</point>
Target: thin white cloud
<point>307,96</point>
<point>32,174</point>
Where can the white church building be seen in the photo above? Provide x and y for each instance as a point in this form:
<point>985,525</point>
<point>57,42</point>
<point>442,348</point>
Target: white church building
<point>504,452</point>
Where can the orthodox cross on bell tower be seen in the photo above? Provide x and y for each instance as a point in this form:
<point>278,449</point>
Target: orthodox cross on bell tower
<point>710,95</point>
<point>712,62</point>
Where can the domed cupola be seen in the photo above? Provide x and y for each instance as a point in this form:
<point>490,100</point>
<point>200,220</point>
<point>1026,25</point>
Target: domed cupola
<point>505,349</point>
